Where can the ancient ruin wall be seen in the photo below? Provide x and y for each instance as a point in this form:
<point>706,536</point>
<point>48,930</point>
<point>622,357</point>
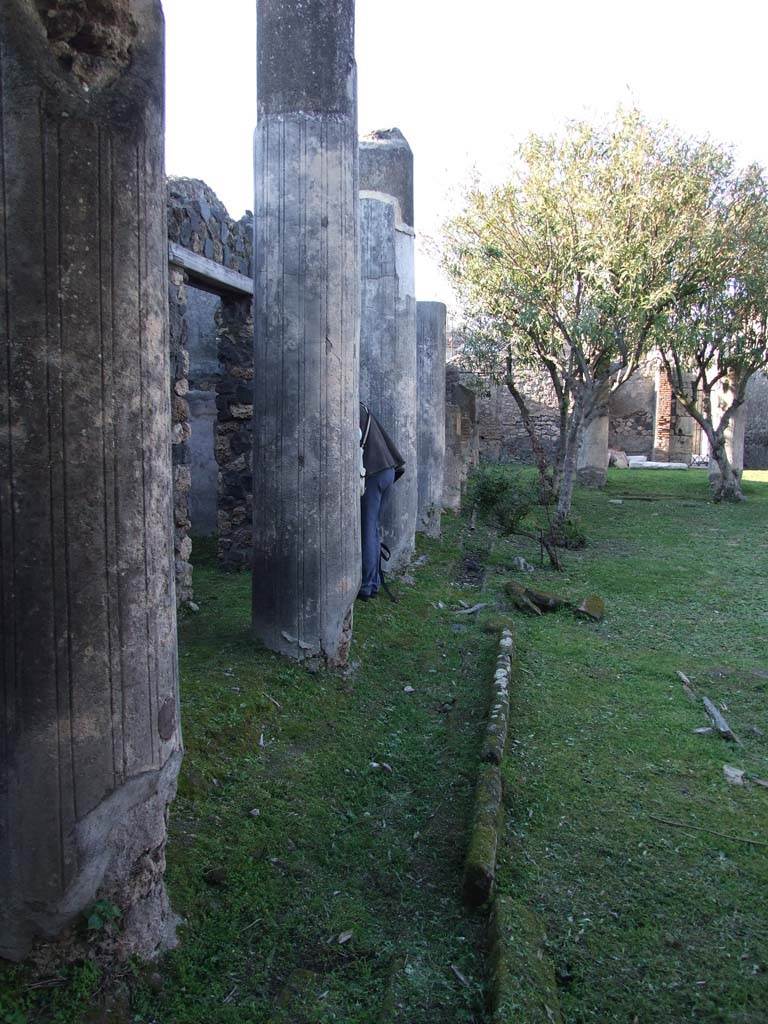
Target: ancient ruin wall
<point>199,221</point>
<point>462,450</point>
<point>756,415</point>
<point>89,737</point>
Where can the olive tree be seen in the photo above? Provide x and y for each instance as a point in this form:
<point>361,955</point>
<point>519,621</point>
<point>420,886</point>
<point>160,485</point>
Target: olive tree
<point>712,342</point>
<point>571,265</point>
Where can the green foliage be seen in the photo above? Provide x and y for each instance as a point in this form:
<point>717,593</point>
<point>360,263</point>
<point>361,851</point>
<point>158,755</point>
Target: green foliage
<point>104,914</point>
<point>571,534</point>
<point>502,496</point>
<point>575,266</point>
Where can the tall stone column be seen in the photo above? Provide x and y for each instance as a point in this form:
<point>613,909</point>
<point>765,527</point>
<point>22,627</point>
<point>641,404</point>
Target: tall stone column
<point>592,460</point>
<point>89,733</point>
<point>430,332</point>
<point>388,363</point>
<point>306,515</point>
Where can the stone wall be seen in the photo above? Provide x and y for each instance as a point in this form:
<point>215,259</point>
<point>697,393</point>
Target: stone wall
<point>631,411</point>
<point>501,434</point>
<point>462,450</point>
<point>181,433</point>
<point>199,221</point>
<point>234,432</point>
<point>756,438</point>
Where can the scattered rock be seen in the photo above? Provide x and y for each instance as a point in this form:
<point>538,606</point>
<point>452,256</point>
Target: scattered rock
<point>704,730</point>
<point>527,599</point>
<point>421,560</point>
<point>518,562</point>
<point>754,730</point>
<point>615,501</point>
<point>255,812</point>
<point>408,689</point>
<point>617,459</point>
<point>381,766</point>
<point>192,606</point>
<point>409,581</point>
<point>734,775</point>
<point>592,607</point>
<point>344,937</point>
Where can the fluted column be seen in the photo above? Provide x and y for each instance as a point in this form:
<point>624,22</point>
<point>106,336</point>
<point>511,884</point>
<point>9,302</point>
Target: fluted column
<point>388,365</point>
<point>430,336</point>
<point>306,516</point>
<point>89,737</point>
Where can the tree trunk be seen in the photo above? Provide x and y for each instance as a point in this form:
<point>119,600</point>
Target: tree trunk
<point>546,489</point>
<point>725,481</point>
<point>568,479</point>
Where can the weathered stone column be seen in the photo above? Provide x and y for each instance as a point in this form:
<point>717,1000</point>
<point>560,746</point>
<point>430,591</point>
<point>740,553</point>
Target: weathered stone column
<point>89,733</point>
<point>430,324</point>
<point>592,460</point>
<point>306,515</point>
<point>462,449</point>
<point>388,363</point>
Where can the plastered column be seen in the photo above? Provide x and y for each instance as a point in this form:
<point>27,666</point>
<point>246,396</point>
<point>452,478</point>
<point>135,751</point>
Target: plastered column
<point>306,515</point>
<point>388,362</point>
<point>89,729</point>
<point>430,332</point>
<point>592,461</point>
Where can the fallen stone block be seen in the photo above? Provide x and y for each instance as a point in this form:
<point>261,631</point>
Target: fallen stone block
<point>592,607</point>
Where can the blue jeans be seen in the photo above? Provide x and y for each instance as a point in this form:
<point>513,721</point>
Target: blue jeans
<point>376,486</point>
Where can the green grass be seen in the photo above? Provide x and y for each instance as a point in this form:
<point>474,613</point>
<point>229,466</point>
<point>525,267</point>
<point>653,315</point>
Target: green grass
<point>643,921</point>
<point>648,922</point>
<point>337,846</point>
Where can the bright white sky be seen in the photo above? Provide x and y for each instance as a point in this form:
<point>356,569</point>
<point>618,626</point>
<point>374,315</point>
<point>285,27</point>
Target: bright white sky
<point>466,82</point>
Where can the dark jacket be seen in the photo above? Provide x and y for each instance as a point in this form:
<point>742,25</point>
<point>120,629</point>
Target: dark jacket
<point>379,451</point>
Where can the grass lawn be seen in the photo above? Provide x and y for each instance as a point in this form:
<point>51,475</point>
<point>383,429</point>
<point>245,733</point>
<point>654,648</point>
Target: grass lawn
<point>645,921</point>
<point>316,888</point>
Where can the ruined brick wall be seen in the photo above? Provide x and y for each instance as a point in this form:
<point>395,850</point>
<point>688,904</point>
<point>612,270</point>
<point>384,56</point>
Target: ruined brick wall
<point>199,221</point>
<point>677,436</point>
<point>756,437</point>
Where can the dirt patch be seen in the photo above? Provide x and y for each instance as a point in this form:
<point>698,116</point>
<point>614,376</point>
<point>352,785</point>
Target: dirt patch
<point>470,572</point>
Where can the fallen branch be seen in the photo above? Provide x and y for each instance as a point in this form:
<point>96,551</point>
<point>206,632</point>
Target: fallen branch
<point>472,610</point>
<point>719,721</point>
<point>711,831</point>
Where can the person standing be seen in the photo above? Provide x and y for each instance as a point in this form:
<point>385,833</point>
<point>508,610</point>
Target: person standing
<point>383,464</point>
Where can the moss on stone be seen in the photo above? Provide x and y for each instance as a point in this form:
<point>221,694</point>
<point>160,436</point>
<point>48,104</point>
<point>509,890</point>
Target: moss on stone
<point>522,979</point>
<point>480,866</point>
